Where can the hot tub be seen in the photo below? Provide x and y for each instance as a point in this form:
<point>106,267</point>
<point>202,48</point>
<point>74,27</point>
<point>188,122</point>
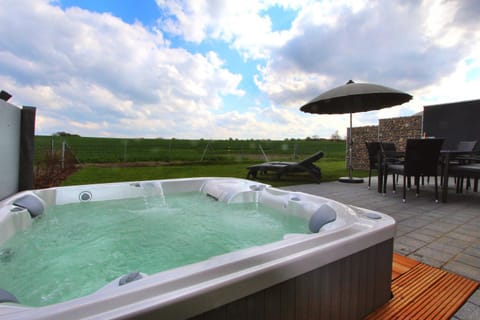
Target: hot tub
<point>339,268</point>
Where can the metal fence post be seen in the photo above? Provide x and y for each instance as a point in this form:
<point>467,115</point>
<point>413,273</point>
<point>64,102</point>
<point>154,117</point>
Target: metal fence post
<point>63,154</point>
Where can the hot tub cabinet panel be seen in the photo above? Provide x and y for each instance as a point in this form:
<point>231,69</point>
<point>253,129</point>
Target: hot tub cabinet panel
<point>349,288</point>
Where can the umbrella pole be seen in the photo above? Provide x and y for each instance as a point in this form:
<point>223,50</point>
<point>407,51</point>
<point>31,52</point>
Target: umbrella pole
<point>350,179</point>
<point>350,143</point>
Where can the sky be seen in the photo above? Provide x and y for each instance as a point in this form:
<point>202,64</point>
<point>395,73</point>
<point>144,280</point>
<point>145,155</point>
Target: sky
<point>216,69</point>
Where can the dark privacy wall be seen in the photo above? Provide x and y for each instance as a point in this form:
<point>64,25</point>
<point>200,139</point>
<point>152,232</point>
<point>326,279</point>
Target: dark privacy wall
<point>458,121</point>
<point>27,136</point>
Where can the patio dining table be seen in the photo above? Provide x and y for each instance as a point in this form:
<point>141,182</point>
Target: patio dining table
<point>452,163</point>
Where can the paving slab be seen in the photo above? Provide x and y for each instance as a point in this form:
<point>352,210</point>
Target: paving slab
<point>468,311</point>
<point>463,269</point>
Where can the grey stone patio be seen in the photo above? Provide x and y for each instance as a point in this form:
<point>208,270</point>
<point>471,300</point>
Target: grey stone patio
<point>443,235</point>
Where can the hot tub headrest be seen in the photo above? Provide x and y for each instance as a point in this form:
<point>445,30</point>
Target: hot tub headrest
<point>31,203</point>
<point>6,296</point>
<point>325,214</point>
<point>132,276</point>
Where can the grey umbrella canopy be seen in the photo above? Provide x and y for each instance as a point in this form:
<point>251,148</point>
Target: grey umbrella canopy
<point>355,97</point>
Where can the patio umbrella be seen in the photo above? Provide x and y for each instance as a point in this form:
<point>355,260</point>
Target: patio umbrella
<point>355,97</point>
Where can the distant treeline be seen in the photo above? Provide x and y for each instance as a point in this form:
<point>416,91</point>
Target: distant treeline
<point>108,150</point>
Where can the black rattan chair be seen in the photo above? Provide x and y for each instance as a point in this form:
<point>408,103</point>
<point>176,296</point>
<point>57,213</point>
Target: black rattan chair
<point>464,151</point>
<point>373,148</point>
<point>388,147</point>
<point>459,171</point>
<point>421,159</point>
<point>391,155</point>
<point>466,146</point>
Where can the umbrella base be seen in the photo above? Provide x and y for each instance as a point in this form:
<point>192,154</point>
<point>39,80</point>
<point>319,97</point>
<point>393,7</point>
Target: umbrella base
<point>350,180</point>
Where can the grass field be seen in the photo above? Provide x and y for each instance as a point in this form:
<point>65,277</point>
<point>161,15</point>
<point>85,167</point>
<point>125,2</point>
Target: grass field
<point>106,160</point>
<point>331,170</point>
<point>112,150</point>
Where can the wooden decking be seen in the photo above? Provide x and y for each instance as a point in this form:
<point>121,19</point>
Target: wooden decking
<point>423,292</point>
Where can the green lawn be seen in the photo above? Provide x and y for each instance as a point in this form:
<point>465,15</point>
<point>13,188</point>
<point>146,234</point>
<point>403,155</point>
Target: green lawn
<point>331,170</point>
<point>113,159</point>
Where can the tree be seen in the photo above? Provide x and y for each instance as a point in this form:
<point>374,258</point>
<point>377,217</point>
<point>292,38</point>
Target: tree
<point>65,134</point>
<point>336,136</point>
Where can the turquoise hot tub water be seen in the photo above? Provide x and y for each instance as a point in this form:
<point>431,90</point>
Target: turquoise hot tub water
<point>75,249</point>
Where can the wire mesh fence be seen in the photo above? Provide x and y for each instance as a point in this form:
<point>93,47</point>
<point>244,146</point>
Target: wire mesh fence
<point>114,150</point>
<point>58,156</point>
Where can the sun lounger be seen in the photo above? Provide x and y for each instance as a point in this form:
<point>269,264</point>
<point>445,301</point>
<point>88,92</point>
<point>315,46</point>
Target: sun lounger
<point>282,168</point>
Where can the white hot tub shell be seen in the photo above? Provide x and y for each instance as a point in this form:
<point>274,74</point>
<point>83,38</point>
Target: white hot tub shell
<point>342,271</point>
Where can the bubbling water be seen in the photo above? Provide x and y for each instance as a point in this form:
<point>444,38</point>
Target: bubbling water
<point>75,249</point>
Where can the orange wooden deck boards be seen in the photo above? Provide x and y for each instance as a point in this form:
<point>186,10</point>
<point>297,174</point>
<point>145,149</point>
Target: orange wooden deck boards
<point>423,292</point>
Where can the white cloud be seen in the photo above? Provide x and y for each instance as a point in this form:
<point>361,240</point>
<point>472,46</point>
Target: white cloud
<point>94,74</point>
<point>278,123</point>
<point>399,44</point>
<point>86,67</point>
<point>240,23</point>
<point>289,86</point>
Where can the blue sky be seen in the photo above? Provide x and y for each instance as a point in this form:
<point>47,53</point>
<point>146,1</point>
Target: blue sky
<point>229,69</point>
